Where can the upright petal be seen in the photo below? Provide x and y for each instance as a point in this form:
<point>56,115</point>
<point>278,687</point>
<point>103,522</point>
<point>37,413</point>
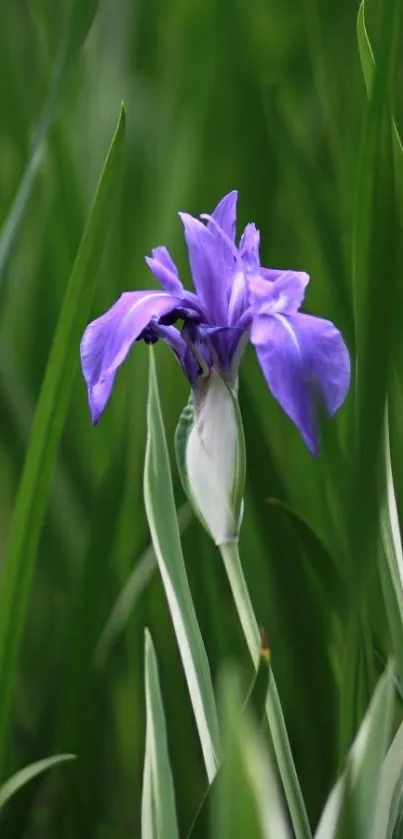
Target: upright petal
<point>164,268</point>
<point>107,340</point>
<point>283,295</point>
<point>249,248</point>
<point>225,214</point>
<point>305,361</point>
<point>248,264</point>
<point>209,257</point>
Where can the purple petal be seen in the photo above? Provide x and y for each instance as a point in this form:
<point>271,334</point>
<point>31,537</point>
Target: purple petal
<point>166,272</point>
<point>238,297</point>
<point>249,264</point>
<point>225,214</point>
<point>283,295</point>
<point>304,360</point>
<point>164,268</point>
<point>107,340</point>
<point>175,341</point>
<point>249,248</point>
<point>209,257</point>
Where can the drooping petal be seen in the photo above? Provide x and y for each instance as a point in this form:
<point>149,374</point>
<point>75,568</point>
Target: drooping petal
<point>225,214</point>
<point>175,341</point>
<point>107,340</point>
<point>209,263</point>
<point>283,295</point>
<point>305,362</point>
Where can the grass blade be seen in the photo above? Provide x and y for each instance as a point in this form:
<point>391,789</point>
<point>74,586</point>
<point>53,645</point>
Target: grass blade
<point>374,257</point>
<point>158,788</point>
<point>246,800</point>
<point>367,59</point>
<point>139,577</point>
<point>25,775</point>
<point>359,789</point>
<point>162,520</point>
<point>274,712</point>
<point>391,557</point>
<point>47,428</point>
<point>75,30</point>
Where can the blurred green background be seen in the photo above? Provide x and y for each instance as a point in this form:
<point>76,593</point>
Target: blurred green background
<point>267,98</point>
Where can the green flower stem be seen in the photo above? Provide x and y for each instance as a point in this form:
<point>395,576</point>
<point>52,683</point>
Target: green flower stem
<point>281,743</point>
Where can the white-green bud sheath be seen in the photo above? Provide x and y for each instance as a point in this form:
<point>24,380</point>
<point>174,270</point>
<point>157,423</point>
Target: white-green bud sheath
<point>211,457</point>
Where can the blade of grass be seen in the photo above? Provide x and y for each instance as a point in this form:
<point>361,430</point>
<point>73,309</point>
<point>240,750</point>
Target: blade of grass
<point>367,59</point>
<point>162,520</point>
<point>46,431</point>
<point>274,712</point>
<point>374,250</point>
<point>246,799</point>
<point>74,32</point>
<point>158,789</point>
<point>25,775</point>
<point>374,257</point>
<point>141,574</point>
<point>359,789</point>
<point>391,557</point>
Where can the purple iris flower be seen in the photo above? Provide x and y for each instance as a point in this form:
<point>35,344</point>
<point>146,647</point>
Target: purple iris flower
<point>303,358</point>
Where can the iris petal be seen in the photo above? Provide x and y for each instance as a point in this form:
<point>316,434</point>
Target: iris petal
<point>107,340</point>
<point>208,257</point>
<point>304,360</point>
<point>164,268</point>
<point>225,214</point>
<point>284,295</point>
<point>249,248</point>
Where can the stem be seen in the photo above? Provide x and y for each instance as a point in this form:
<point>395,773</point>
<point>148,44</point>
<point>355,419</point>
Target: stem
<point>274,712</point>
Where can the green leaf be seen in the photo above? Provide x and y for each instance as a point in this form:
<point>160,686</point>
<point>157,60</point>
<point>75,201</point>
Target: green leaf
<point>182,432</point>
<point>159,819</point>
<point>374,258</point>
<point>47,427</point>
<point>256,700</point>
<point>365,50</point>
<point>134,587</point>
<point>246,801</point>
<point>274,712</point>
<point>162,520</point>
<point>391,556</point>
<point>254,707</point>
<point>356,798</point>
<point>10,787</point>
<point>74,32</point>
<point>391,807</point>
<point>368,67</point>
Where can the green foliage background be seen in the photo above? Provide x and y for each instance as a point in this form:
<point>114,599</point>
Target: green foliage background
<point>268,98</point>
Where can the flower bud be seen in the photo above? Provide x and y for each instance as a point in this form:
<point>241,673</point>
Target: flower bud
<point>211,457</point>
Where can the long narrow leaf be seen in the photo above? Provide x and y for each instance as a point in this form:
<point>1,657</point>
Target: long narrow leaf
<point>274,712</point>
<point>360,786</point>
<point>391,557</point>
<point>47,428</point>
<point>158,789</point>
<point>162,520</point>
<point>368,67</point>
<point>25,775</point>
<point>75,29</point>
<point>246,801</point>
<point>133,588</point>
